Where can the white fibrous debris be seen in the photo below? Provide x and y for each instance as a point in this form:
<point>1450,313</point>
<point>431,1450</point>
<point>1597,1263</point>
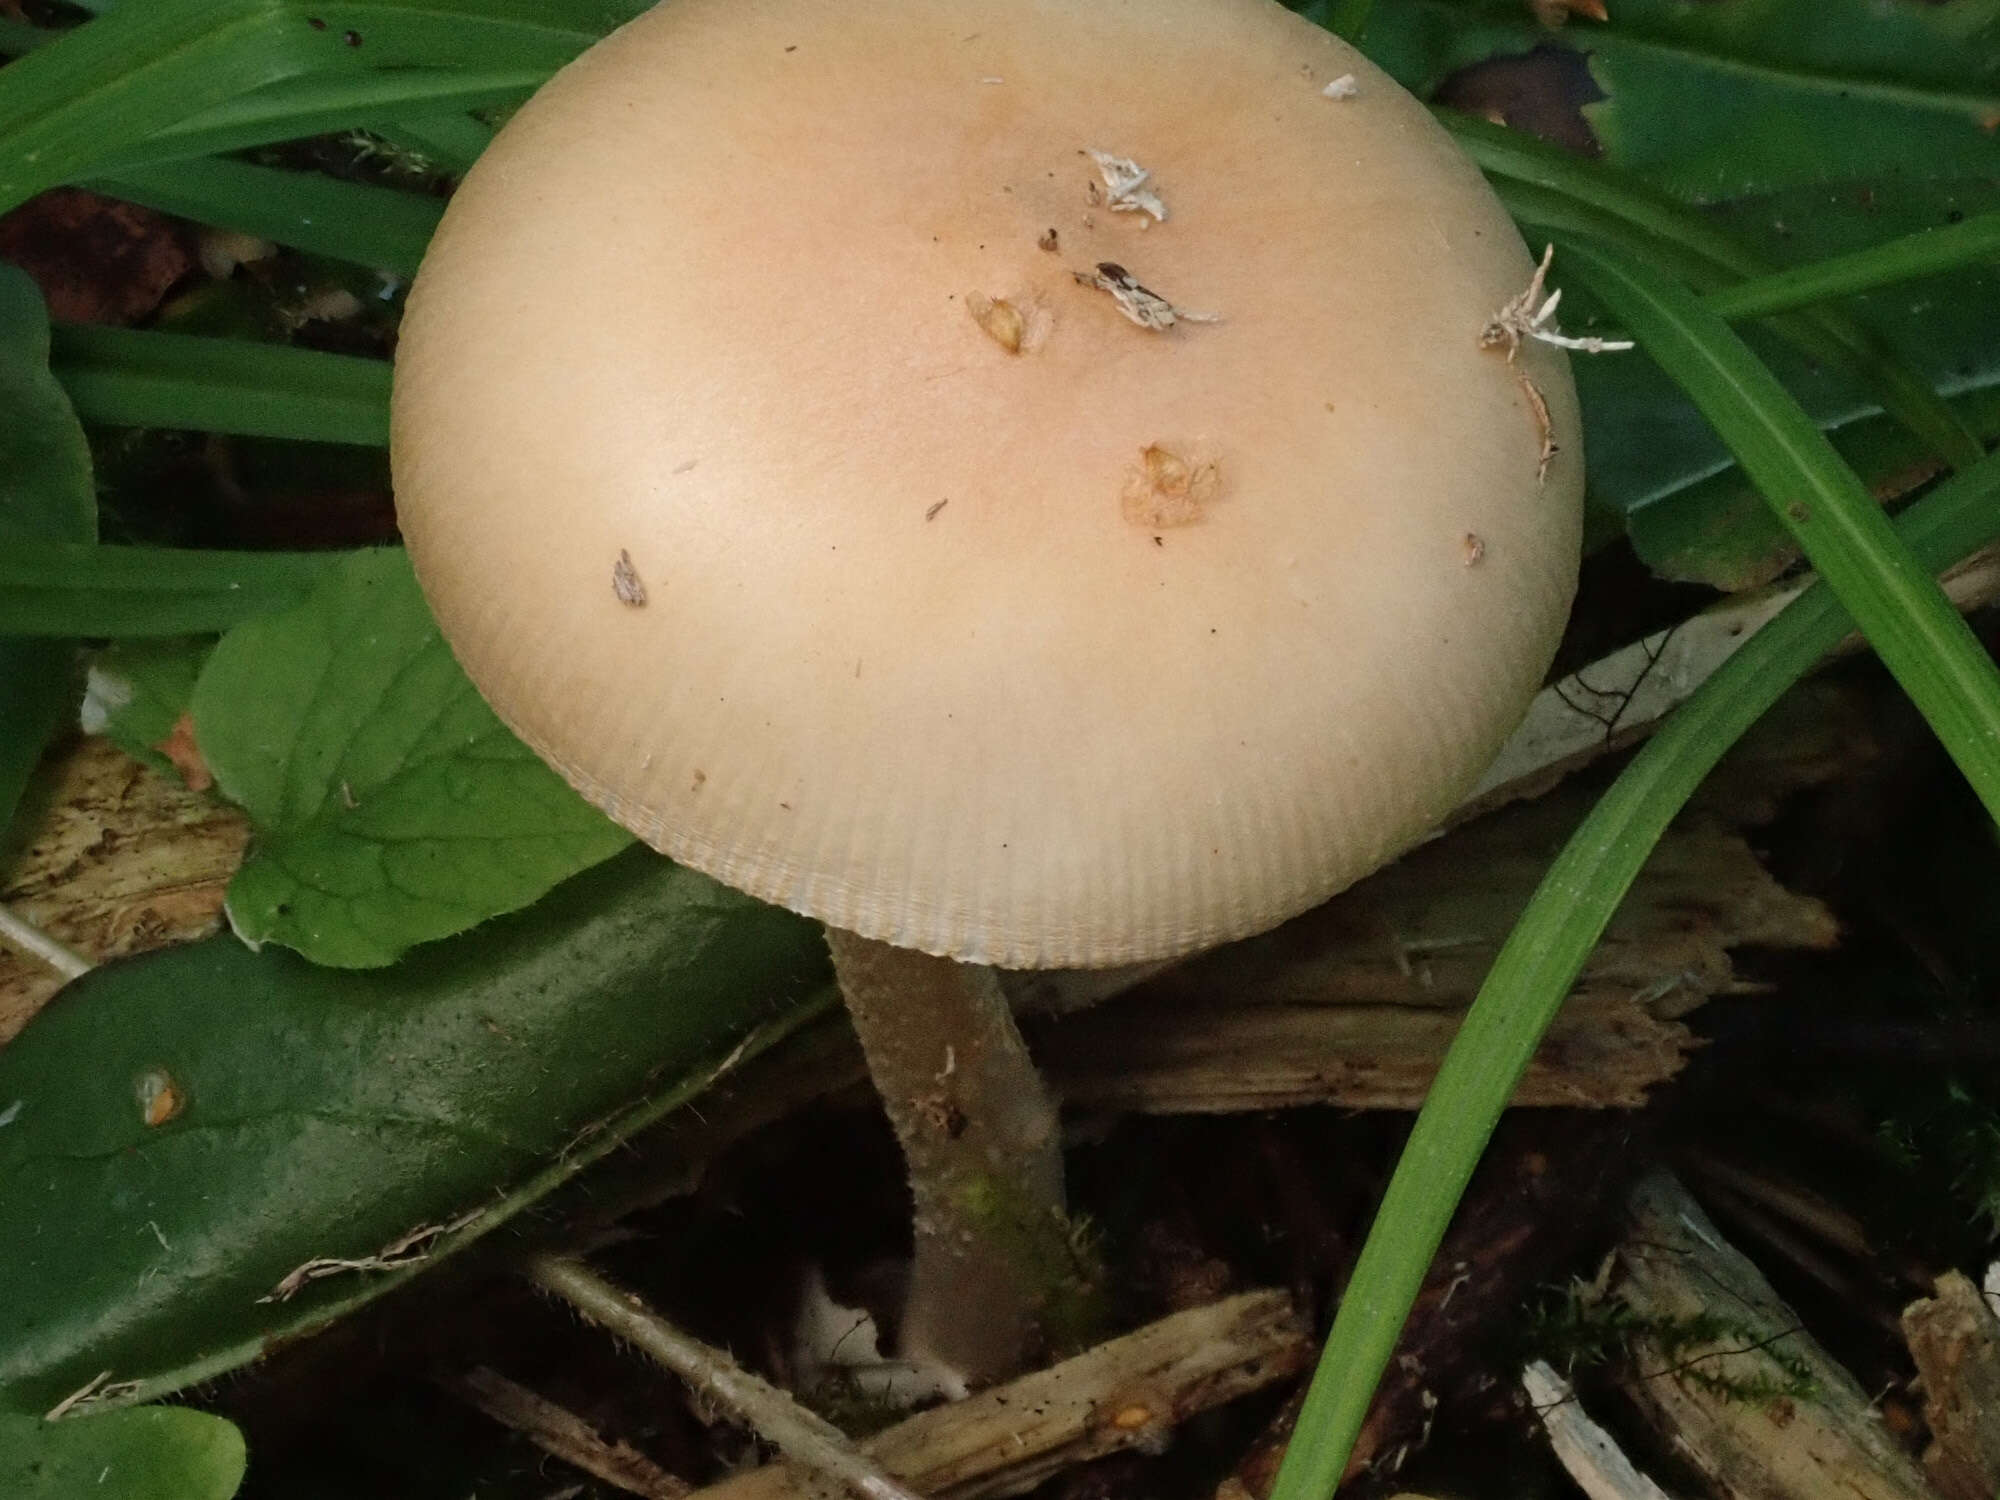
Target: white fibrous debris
<point>104,694</point>
<point>832,1343</point>
<point>1145,307</point>
<point>1125,187</point>
<point>1530,315</point>
<point>1343,87</point>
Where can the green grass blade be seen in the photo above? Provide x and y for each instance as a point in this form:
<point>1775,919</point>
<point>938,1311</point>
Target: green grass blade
<point>1850,543</point>
<point>1926,253</point>
<point>372,226</point>
<point>69,589</point>
<point>127,75</point>
<point>17,37</point>
<point>1540,961</point>
<point>121,377</point>
<point>1551,189</point>
<point>450,143</point>
<point>321,105</point>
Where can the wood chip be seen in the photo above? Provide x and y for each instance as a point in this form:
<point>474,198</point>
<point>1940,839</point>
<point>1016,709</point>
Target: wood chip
<point>1955,1341</point>
<point>560,1432</point>
<point>1822,1439</point>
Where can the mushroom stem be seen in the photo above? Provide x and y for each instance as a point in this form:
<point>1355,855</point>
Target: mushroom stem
<point>995,1266</point>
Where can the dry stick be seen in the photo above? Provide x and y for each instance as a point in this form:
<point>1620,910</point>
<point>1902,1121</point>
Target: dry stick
<point>1590,1454</point>
<point>31,939</point>
<point>561,1432</point>
<point>799,1434</point>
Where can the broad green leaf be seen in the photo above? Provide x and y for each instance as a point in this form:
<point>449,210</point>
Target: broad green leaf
<point>45,481</point>
<point>137,691</point>
<point>1731,97</point>
<point>45,494</point>
<point>1946,325</point>
<point>124,377</point>
<point>391,805</point>
<point>147,1453</point>
<point>75,589</point>
<point>307,1112</point>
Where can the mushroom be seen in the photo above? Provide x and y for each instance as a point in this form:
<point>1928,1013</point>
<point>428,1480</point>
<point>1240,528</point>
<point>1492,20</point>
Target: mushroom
<point>776,483</point>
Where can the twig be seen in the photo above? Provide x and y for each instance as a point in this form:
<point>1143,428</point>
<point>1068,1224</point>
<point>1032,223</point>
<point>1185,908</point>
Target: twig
<point>796,1432</point>
<point>561,1432</point>
<point>31,939</point>
<point>1128,1393</point>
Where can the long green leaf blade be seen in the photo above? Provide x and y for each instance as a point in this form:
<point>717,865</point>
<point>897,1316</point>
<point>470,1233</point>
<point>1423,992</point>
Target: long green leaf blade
<point>1943,248</point>
<point>64,589</point>
<point>320,105</point>
<point>1541,960</point>
<point>372,226</point>
<point>1906,617</point>
<point>128,378</point>
<point>122,77</point>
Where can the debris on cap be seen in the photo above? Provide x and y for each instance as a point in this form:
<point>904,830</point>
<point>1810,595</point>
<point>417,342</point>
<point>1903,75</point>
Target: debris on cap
<point>1125,187</point>
<point>1143,306</point>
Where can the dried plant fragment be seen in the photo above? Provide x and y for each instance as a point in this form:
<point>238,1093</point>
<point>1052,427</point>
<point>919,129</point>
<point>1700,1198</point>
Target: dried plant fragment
<point>625,581</point>
<point>1544,426</point>
<point>185,756</point>
<point>1001,320</point>
<point>1529,315</point>
<point>1343,87</point>
<point>1125,185</point>
<point>1143,306</point>
<point>1165,489</point>
<point>1554,13</point>
<point>405,1250</point>
<point>160,1098</point>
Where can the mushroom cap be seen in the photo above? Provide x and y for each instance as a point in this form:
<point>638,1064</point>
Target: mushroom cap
<point>732,496</point>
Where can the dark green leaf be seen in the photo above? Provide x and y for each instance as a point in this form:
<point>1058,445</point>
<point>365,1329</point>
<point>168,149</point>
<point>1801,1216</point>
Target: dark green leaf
<point>151,1453</point>
<point>327,1113</point>
<point>1732,97</point>
<point>45,494</point>
<point>138,691</point>
<point>392,807</point>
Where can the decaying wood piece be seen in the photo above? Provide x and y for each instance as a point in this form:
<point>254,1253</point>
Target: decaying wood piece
<point>1355,1002</point>
<point>560,1432</point>
<point>1130,1392</point>
<point>1589,1454</point>
<point>1620,699</point>
<point>123,861</point>
<point>1731,1400</point>
<point>1955,1340</point>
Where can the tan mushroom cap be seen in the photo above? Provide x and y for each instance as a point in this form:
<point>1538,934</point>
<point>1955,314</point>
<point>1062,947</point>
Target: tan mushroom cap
<point>1117,646</point>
